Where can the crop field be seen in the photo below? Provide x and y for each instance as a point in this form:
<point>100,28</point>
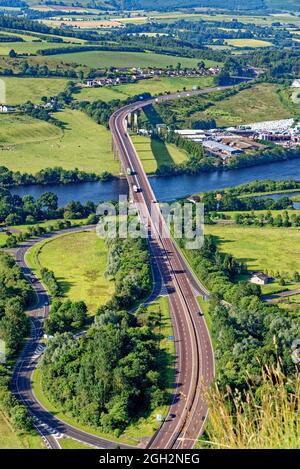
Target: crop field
<point>103,59</point>
<point>20,90</point>
<point>69,443</point>
<point>154,86</point>
<point>275,250</point>
<point>155,153</point>
<point>262,103</point>
<point>248,43</point>
<point>79,262</point>
<point>29,145</point>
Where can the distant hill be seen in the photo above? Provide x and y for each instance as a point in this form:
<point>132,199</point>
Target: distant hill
<point>235,5</point>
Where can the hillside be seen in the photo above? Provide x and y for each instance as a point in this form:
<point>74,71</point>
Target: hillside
<point>235,5</point>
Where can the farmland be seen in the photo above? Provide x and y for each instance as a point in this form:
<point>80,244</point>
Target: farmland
<point>262,103</point>
<point>275,250</point>
<point>248,43</point>
<point>155,153</point>
<point>103,59</point>
<point>27,47</point>
<point>20,90</point>
<point>79,262</point>
<point>29,145</point>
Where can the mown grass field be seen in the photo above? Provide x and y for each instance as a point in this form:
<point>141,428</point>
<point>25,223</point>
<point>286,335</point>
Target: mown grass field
<point>79,262</point>
<point>155,153</point>
<point>144,425</point>
<point>275,250</point>
<point>248,43</point>
<point>154,86</point>
<point>103,59</point>
<point>259,103</point>
<point>10,439</point>
<point>29,145</point>
<point>20,90</point>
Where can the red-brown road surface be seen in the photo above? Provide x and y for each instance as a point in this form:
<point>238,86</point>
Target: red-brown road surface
<point>194,354</point>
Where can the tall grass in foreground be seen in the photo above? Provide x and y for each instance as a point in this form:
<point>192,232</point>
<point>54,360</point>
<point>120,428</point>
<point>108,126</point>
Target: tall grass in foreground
<point>269,418</point>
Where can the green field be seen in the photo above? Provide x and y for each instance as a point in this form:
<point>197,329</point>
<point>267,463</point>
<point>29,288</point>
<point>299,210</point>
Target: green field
<point>103,59</point>
<point>275,250</point>
<point>29,145</point>
<point>144,425</point>
<point>259,103</point>
<point>79,262</point>
<point>154,86</point>
<point>20,90</point>
<point>248,43</point>
<point>155,153</point>
<point>28,46</point>
<point>10,439</point>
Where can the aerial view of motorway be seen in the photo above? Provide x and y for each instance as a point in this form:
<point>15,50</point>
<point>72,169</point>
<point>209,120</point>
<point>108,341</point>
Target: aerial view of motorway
<point>149,229</point>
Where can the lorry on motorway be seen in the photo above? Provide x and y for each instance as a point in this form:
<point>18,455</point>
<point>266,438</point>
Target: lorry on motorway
<point>135,188</point>
<point>128,171</point>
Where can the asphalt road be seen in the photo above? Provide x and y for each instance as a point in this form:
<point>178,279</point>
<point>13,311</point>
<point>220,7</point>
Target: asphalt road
<point>194,366</point>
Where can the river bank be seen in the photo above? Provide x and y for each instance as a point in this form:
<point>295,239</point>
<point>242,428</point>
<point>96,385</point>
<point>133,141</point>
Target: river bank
<point>166,188</point>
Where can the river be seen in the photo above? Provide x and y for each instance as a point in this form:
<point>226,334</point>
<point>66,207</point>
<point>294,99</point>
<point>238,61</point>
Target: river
<point>166,188</point>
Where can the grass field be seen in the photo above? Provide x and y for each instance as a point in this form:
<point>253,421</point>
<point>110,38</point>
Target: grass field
<point>248,43</point>
<point>31,145</point>
<point>154,153</point>
<point>79,262</point>
<point>69,443</point>
<point>275,250</point>
<point>28,46</point>
<point>103,59</point>
<point>154,86</point>
<point>13,440</point>
<point>20,90</point>
<point>144,425</point>
<point>262,103</point>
